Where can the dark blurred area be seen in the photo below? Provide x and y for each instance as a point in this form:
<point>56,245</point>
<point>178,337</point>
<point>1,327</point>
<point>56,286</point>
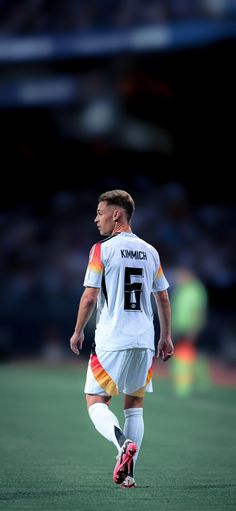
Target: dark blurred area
<point>136,95</point>
<point>44,251</point>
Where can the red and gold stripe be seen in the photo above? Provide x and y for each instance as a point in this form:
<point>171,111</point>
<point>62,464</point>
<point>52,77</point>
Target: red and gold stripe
<point>102,377</point>
<point>159,273</point>
<point>140,392</point>
<point>95,262</point>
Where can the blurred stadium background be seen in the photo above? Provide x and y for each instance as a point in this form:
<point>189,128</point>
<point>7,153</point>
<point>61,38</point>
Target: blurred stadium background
<point>98,95</point>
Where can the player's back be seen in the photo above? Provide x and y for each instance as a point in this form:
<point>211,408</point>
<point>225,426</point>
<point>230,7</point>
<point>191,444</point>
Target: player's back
<point>130,274</point>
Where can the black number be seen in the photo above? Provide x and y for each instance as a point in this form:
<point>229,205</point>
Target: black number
<point>132,290</point>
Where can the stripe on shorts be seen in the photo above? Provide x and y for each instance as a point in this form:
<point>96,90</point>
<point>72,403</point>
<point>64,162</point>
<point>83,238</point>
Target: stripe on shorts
<point>102,377</point>
<point>140,392</point>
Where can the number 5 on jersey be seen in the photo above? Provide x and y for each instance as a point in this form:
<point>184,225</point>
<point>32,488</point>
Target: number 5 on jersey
<point>132,289</point>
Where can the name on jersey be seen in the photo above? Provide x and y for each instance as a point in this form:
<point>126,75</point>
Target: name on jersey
<point>133,254</point>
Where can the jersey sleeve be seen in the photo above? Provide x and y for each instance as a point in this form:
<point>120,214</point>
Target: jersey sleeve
<point>160,282</point>
<point>95,268</point>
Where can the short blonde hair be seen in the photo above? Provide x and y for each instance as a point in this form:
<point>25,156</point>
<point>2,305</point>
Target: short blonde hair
<point>119,198</point>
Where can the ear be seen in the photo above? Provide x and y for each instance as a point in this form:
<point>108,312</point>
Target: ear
<point>116,215</point>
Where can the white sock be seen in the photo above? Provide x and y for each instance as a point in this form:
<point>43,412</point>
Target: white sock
<point>105,422</point>
<point>134,427</point>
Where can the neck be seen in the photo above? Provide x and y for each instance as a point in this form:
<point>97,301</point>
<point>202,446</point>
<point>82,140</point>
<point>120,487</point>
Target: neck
<point>119,227</point>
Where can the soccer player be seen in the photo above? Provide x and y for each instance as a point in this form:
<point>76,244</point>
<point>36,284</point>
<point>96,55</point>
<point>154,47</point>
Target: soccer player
<point>122,273</point>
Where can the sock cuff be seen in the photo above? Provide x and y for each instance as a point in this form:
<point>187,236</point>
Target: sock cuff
<point>95,406</point>
<point>129,412</point>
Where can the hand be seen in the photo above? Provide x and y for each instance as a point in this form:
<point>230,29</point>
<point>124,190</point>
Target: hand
<point>76,342</point>
<point>165,349</point>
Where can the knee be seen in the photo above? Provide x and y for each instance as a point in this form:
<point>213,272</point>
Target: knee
<point>133,402</point>
<point>91,399</point>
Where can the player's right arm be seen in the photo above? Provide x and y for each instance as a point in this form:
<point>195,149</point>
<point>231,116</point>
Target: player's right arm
<point>86,307</point>
<point>92,283</point>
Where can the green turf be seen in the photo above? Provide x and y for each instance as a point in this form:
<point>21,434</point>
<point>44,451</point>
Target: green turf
<point>52,458</point>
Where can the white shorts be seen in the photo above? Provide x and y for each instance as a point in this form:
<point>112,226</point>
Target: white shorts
<point>126,371</point>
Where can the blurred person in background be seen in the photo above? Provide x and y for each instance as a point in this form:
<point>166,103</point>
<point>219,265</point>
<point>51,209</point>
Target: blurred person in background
<point>189,313</point>
<point>122,274</point>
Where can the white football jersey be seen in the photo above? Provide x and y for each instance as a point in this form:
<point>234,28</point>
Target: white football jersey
<point>127,270</point>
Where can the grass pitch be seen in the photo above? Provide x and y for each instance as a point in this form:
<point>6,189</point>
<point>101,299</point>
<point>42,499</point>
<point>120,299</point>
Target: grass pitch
<point>52,458</point>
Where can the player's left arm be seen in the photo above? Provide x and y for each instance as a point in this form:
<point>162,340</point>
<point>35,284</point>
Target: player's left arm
<point>86,307</point>
<point>165,348</point>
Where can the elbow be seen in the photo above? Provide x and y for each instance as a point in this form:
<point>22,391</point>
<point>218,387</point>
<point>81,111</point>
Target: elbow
<point>163,298</point>
<point>165,301</point>
<point>90,302</point>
